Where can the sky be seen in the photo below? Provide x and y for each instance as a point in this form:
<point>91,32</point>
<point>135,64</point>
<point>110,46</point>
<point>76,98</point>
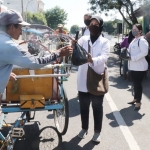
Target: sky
<point>75,9</point>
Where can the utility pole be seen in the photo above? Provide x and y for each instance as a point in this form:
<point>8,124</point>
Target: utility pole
<point>22,8</point>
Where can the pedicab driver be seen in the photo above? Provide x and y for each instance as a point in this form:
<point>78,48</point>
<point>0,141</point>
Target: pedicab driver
<point>11,23</point>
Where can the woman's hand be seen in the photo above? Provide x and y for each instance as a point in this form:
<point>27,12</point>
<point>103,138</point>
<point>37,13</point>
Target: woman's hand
<point>73,43</point>
<point>90,58</point>
<point>12,77</point>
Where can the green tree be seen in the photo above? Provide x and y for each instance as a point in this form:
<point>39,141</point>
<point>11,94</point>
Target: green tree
<point>119,5</point>
<point>36,18</point>
<point>55,16</point>
<point>74,28</point>
<point>65,28</point>
<point>109,27</point>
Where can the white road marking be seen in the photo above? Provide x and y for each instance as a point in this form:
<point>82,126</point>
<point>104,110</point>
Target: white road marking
<point>123,127</point>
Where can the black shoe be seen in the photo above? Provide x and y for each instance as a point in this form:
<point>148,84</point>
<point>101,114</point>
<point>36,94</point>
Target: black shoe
<point>131,102</point>
<point>137,108</point>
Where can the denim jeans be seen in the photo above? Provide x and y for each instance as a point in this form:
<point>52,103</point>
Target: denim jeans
<point>97,105</point>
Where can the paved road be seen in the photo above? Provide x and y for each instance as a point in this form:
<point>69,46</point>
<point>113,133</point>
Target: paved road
<point>123,128</point>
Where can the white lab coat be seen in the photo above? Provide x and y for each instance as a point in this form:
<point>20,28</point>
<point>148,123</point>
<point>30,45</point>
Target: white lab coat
<point>100,52</point>
<point>138,53</point>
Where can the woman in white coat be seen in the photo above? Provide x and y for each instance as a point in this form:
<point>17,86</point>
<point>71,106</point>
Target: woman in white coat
<point>138,65</point>
<point>99,53</point>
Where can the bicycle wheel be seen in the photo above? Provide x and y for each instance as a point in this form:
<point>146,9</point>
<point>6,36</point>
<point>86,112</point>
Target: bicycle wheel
<point>121,67</point>
<point>49,139</point>
<point>61,116</point>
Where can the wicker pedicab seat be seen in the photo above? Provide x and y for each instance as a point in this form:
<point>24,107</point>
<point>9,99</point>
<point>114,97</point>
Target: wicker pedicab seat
<point>31,92</point>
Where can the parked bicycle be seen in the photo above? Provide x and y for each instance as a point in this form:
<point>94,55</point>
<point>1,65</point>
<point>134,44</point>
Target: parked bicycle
<point>117,48</point>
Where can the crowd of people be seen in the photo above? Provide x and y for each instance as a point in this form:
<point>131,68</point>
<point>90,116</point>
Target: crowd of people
<point>11,54</point>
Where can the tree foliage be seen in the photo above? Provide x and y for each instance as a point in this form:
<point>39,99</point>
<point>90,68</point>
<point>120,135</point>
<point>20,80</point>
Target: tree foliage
<point>74,28</point>
<point>55,16</point>
<point>36,18</point>
<point>109,27</point>
<point>121,5</point>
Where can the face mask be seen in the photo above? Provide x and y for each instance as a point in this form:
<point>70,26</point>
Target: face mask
<point>87,22</point>
<point>135,33</point>
<point>94,30</point>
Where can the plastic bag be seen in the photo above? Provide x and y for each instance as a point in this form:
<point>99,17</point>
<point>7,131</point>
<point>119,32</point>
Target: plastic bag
<point>79,55</point>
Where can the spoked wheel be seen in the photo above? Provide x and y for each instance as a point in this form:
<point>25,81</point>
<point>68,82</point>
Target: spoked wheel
<point>48,139</point>
<point>61,116</point>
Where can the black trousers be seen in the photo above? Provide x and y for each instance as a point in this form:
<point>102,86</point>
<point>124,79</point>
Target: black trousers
<point>137,78</point>
<point>97,105</point>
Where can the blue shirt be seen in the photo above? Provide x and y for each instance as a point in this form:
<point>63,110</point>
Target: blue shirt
<point>10,54</point>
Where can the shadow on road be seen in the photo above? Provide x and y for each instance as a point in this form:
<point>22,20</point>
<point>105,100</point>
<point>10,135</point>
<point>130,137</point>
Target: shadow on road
<point>73,145</point>
<point>74,109</point>
<point>45,139</point>
<point>128,114</point>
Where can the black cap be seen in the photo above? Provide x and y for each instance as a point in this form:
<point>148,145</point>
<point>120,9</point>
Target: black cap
<point>99,19</point>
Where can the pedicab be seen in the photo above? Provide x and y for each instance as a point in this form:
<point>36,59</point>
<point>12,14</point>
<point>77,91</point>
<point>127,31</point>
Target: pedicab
<point>35,90</point>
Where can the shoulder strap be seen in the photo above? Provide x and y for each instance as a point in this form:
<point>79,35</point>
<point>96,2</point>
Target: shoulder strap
<point>89,48</point>
<point>83,30</point>
<point>138,42</point>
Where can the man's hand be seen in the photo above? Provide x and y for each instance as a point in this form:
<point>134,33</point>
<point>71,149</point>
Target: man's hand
<point>65,51</point>
<point>12,77</point>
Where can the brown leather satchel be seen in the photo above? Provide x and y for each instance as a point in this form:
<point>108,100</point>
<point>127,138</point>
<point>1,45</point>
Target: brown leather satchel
<point>97,84</point>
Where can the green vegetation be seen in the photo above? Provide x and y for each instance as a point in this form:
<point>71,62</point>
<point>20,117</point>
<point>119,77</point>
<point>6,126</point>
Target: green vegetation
<point>116,5</point>
<point>74,28</point>
<point>55,16</point>
<point>36,18</point>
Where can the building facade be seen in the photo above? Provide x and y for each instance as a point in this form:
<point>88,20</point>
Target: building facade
<point>22,6</point>
<point>2,7</point>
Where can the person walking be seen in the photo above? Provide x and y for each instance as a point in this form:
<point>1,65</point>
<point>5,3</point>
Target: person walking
<point>11,23</point>
<point>138,65</point>
<point>98,56</point>
<point>125,43</point>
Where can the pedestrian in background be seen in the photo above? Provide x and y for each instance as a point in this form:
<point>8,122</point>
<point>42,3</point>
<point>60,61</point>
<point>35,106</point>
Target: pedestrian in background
<point>60,29</point>
<point>125,43</point>
<point>138,65</point>
<point>85,30</point>
<point>147,37</point>
<point>98,56</point>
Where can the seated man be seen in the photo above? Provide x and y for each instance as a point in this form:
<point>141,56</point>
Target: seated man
<point>11,23</point>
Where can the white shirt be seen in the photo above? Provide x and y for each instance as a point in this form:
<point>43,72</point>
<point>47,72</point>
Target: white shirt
<point>138,53</point>
<point>86,32</point>
<point>100,52</point>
